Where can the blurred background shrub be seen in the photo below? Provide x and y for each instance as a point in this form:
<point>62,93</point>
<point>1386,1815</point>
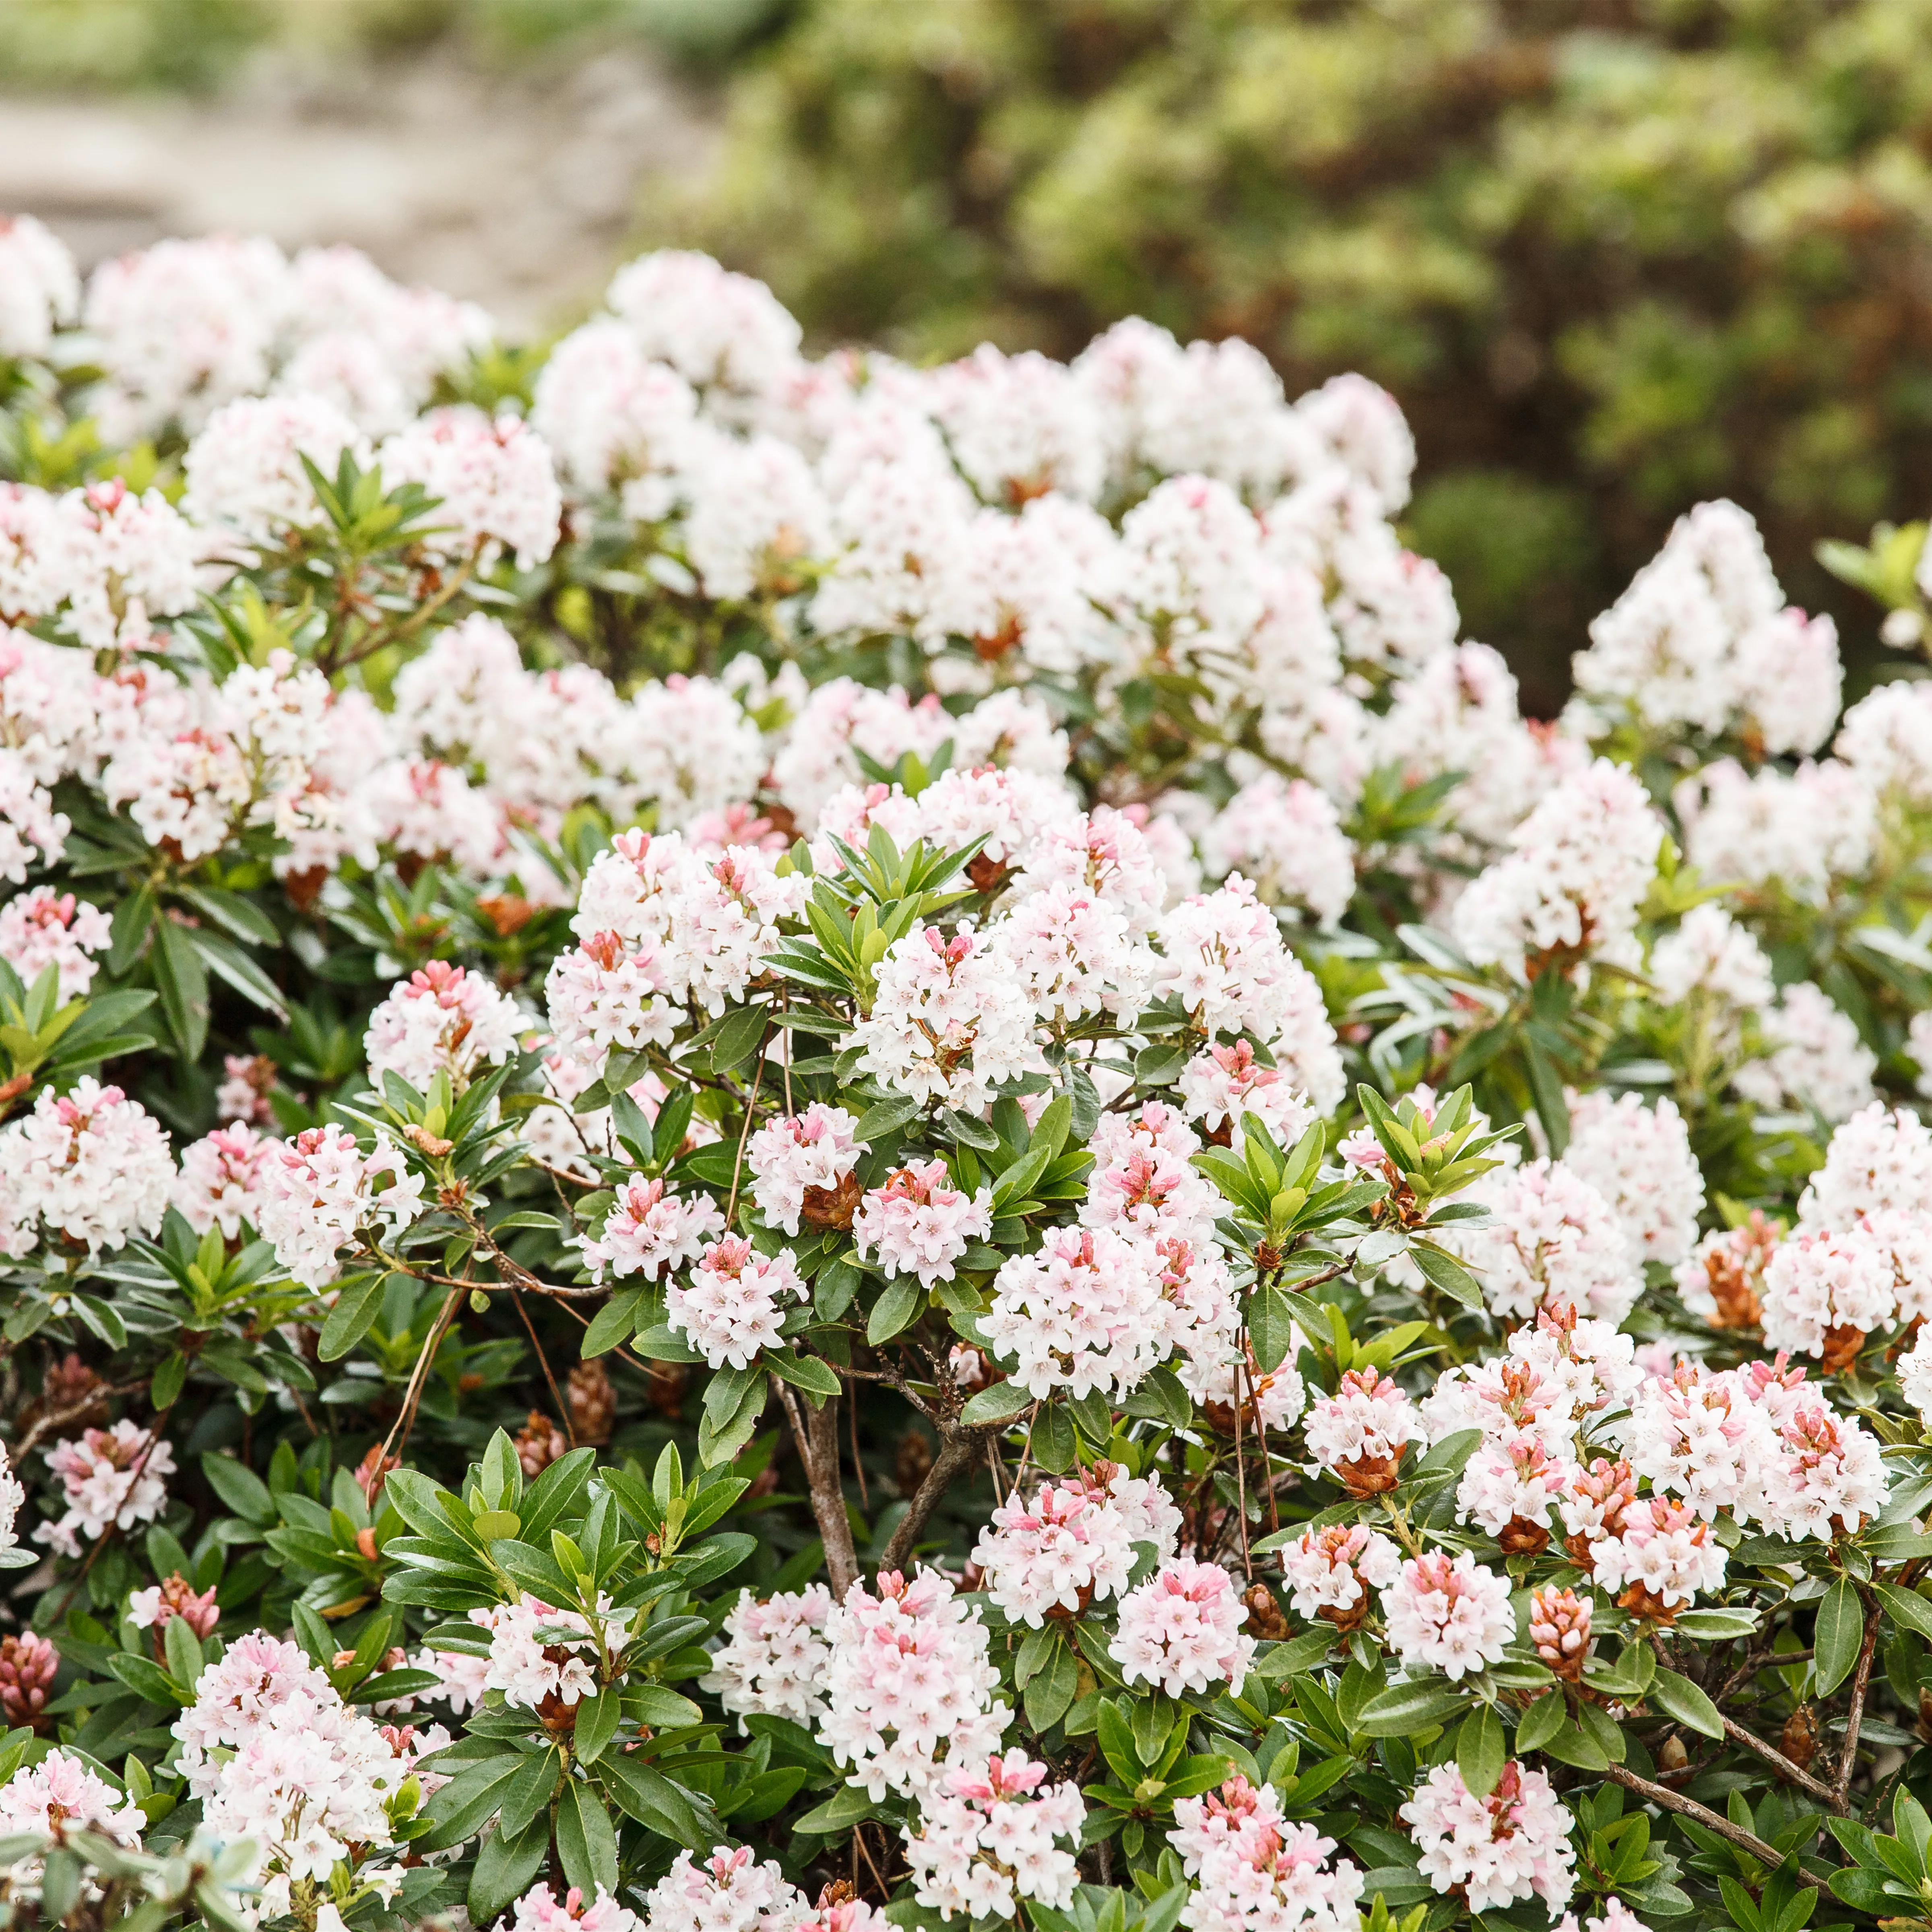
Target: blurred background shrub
<point>1613,255</point>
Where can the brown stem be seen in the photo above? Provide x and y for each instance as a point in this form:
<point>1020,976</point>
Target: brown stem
<point>1792,1773</point>
<point>1711,1821</point>
<point>562,1407</point>
<point>1848,1759</point>
<point>815,1431</point>
<point>419,1375</point>
<point>958,1448</point>
<point>44,1426</point>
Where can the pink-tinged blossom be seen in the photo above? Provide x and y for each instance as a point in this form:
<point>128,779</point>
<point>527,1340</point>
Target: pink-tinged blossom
<point>652,1231</point>
<point>1254,1871</point>
<point>1662,1559</point>
<point>1328,1571</point>
<point>1815,1057</point>
<point>917,1224</point>
<point>1454,1617</point>
<point>320,1189</point>
<point>1067,1548</point>
<point>1571,889</point>
<point>1825,1291</point>
<point>538,1653</point>
<point>1142,1182</point>
<point>1513,1845</point>
<point>59,1795</point>
<point>773,1659</point>
<point>1829,1477</point>
<point>441,1019</point>
<point>992,1835</point>
<point>604,995</point>
<point>1222,1084</point>
<point>93,1164</point>
<point>1559,1627</point>
<point>275,1756</point>
<point>798,1163</point>
<point>1639,1159</point>
<point>949,1022</point>
<point>155,1608</point>
<point>1224,959</point>
<point>1084,1312</point>
<point>493,479</point>
<point>539,1911</point>
<point>1617,1917</point>
<point>109,1478</point>
<point>909,1689</point>
<point>1361,1433</point>
<point>223,1178</point>
<point>12,1496</point>
<point>1696,1434</point>
<point>1509,1487</point>
<point>44,927</point>
<point>244,469</point>
<point>1287,837</point>
<point>1879,1158</point>
<point>463,1677</point>
<point>1074,955</point>
<point>1105,852</point>
<point>735,1301</point>
<point>1554,1242</point>
<point>1722,1279</point>
<point>1181,1630</point>
<point>730,1891</point>
<point>39,290</point>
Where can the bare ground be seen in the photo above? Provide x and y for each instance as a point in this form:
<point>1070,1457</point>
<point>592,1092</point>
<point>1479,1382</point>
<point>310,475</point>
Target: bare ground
<point>519,192</point>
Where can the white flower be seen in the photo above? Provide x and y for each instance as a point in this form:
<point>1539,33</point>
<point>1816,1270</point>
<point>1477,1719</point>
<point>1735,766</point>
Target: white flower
<point>1454,1617</point>
<point>1181,1630</point>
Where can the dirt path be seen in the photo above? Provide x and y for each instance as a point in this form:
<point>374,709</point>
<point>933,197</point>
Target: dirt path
<point>519,193</point>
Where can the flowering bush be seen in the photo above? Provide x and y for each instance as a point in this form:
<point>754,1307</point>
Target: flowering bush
<point>794,1143</point>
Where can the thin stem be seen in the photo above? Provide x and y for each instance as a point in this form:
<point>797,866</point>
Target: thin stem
<point>419,1375</point>
<point>957,1449</point>
<point>1792,1773</point>
<point>815,1431</point>
<point>1860,1677</point>
<point>556,1396</point>
<point>1668,1800</point>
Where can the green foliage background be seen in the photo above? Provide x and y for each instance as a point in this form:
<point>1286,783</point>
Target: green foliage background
<point>1613,255</point>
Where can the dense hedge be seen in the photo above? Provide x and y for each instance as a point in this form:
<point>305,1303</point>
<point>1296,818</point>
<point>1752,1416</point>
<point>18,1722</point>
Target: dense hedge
<point>1611,257</point>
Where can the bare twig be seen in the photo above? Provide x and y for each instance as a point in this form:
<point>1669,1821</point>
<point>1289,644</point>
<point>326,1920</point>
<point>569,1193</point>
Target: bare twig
<point>815,1431</point>
<point>419,1375</point>
<point>556,1395</point>
<point>1668,1800</point>
<point>1792,1773</point>
<point>44,1426</point>
<point>958,1448</point>
<point>1848,1760</point>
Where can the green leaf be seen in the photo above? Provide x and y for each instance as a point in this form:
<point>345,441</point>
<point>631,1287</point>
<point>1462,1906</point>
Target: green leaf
<point>1840,1630</point>
<point>1685,1702</point>
<point>805,1372</point>
<point>170,1378</point>
<point>1000,1403</point>
<point>895,1310</point>
<point>1540,1722</point>
<point>1409,1707</point>
<point>846,1807</point>
<point>597,1720</point>
<point>1271,1327</point>
<point>182,983</point>
<point>357,1305</point>
<point>1445,1272</point>
<point>1479,1752</point>
<point>1906,1606</point>
<point>1050,1691</point>
<point>586,1841</point>
<point>239,1488</point>
<point>613,1324</point>
<point>504,1868</point>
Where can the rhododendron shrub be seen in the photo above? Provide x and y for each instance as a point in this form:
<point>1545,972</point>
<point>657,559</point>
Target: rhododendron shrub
<point>783,1145</point>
